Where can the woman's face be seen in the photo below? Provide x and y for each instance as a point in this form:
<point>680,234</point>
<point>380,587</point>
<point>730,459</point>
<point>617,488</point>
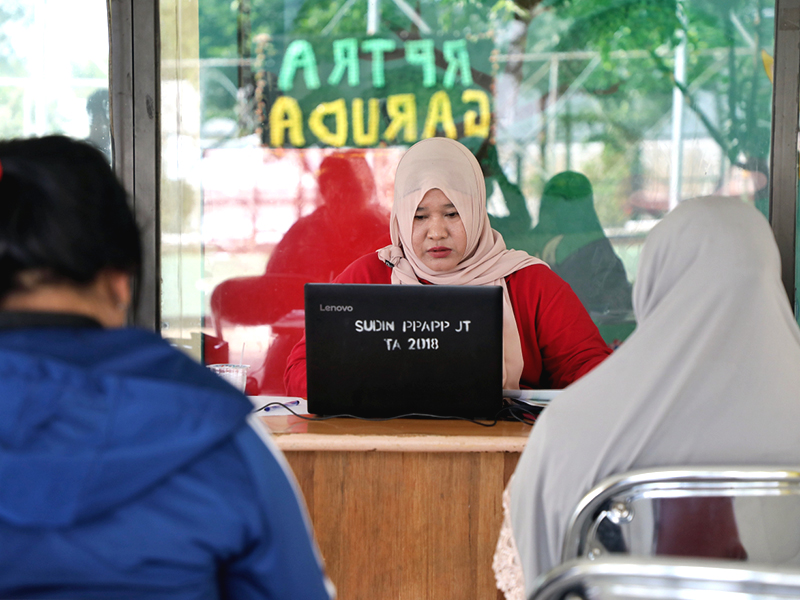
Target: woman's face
<point>438,235</point>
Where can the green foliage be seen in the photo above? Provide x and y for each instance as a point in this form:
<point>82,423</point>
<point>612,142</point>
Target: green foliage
<point>627,98</point>
<point>219,23</point>
<point>721,61</point>
<point>613,25</point>
<point>217,29</point>
<point>444,17</point>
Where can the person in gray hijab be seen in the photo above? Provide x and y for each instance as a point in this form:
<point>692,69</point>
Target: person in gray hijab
<point>710,376</point>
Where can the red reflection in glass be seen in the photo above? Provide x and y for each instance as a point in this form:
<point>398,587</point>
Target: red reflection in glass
<point>347,224</point>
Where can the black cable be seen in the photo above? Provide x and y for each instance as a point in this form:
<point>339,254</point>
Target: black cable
<point>515,411</point>
<point>276,403</point>
<point>403,416</point>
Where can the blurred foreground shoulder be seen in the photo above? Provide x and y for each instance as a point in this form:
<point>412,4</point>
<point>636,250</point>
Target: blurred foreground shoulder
<point>285,561</point>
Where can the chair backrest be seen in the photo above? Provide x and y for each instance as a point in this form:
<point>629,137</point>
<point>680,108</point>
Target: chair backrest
<point>741,513</point>
<point>636,578</point>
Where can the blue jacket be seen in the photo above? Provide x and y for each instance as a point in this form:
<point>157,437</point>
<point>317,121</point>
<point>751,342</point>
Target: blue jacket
<point>127,470</point>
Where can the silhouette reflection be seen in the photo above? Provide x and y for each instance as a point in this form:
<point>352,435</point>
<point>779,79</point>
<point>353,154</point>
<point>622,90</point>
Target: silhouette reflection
<point>571,240</point>
<point>347,224</point>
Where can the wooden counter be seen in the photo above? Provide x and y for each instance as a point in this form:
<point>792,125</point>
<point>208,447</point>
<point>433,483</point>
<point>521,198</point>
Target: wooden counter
<point>406,509</point>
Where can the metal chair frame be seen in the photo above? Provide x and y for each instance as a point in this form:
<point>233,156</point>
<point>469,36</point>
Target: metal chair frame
<point>666,579</point>
<point>611,499</point>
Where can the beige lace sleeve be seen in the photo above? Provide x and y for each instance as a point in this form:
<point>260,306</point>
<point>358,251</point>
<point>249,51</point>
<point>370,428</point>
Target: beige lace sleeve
<point>506,564</point>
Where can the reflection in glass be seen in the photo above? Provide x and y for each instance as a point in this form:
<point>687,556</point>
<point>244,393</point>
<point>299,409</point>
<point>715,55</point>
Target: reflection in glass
<point>99,122</point>
<point>571,240</point>
<point>52,80</point>
<point>347,223</point>
<point>652,102</point>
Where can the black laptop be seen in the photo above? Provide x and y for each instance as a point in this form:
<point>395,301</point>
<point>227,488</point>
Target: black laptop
<point>377,350</point>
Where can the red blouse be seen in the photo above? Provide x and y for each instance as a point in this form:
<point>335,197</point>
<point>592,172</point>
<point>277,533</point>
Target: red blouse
<point>560,343</point>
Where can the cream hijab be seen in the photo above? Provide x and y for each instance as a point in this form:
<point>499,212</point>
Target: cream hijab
<point>444,164</point>
<point>711,376</point>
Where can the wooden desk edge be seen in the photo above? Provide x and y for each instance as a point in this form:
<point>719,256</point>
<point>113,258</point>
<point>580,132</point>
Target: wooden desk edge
<point>397,443</point>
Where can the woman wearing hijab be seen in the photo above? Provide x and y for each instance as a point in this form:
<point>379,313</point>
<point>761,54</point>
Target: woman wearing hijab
<point>710,376</point>
<point>441,235</point>
<point>570,239</point>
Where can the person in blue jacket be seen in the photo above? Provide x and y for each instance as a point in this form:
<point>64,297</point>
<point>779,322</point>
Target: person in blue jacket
<point>127,470</point>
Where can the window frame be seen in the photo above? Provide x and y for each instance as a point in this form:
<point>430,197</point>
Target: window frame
<point>134,73</point>
<point>783,173</point>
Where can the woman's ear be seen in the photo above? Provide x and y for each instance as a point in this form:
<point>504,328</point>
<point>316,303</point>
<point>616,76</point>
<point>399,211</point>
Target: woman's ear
<point>115,287</point>
<point>119,284</point>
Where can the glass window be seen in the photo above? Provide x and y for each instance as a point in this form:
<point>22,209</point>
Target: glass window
<point>51,79</point>
<point>283,123</point>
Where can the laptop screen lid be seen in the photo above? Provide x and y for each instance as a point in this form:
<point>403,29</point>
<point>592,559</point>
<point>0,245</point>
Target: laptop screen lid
<point>378,350</point>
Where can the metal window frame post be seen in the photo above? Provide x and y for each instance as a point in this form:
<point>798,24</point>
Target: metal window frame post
<point>783,156</point>
<point>135,109</point>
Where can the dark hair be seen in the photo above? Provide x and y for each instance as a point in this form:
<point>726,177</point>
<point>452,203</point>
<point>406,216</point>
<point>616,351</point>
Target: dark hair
<point>62,212</point>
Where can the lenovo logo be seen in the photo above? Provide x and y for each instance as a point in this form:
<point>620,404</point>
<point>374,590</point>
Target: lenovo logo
<point>335,308</point>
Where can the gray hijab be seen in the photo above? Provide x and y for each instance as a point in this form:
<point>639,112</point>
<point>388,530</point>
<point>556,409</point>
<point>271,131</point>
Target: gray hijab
<point>711,376</point>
